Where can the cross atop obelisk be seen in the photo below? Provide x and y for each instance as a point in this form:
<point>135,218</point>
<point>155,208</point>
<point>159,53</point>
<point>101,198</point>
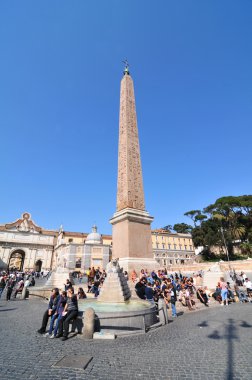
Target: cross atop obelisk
<point>131,230</point>
<point>129,181</point>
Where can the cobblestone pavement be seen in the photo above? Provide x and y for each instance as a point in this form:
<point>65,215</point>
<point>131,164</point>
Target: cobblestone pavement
<point>209,344</point>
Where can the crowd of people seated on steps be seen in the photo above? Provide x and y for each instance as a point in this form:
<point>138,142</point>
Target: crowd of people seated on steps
<point>187,289</point>
<point>225,295</point>
<point>151,286</point>
<point>171,288</point>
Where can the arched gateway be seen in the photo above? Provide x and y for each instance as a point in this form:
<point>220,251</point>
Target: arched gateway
<point>38,266</point>
<point>16,261</point>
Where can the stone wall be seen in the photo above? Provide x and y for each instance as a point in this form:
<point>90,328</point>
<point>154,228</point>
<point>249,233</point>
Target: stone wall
<point>238,265</point>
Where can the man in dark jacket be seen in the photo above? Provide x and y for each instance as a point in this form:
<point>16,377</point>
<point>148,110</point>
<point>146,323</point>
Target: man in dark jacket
<point>140,288</point>
<point>52,307</point>
<point>10,285</point>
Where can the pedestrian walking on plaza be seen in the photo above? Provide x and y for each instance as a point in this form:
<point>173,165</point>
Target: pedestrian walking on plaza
<point>52,307</point>
<point>10,285</point>
<point>2,286</point>
<point>70,312</point>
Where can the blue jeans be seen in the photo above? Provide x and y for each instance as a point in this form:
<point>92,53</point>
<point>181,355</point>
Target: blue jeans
<point>174,311</point>
<point>224,294</point>
<point>56,317</point>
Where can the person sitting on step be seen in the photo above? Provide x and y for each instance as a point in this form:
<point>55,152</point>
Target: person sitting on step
<point>201,295</point>
<point>81,294</point>
<point>57,316</point>
<point>52,307</point>
<point>70,312</point>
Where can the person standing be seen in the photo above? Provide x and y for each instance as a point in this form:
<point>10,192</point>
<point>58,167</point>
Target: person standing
<point>10,285</point>
<point>173,298</point>
<point>224,292</point>
<point>2,285</point>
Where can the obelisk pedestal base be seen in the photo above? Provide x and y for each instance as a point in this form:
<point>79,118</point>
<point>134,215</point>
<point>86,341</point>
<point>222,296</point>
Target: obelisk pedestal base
<point>132,243</point>
<point>130,264</point>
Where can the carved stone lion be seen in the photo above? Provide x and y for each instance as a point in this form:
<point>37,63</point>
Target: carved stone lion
<point>113,266</point>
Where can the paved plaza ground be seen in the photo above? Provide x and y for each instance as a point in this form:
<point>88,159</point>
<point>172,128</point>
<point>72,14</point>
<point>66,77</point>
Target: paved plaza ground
<point>209,344</point>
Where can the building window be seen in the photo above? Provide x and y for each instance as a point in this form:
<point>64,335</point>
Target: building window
<point>78,263</point>
<point>180,246</point>
<point>169,246</point>
<point>70,240</point>
<point>157,245</point>
<point>175,246</point>
<point>163,246</point>
<point>190,248</point>
<point>185,247</point>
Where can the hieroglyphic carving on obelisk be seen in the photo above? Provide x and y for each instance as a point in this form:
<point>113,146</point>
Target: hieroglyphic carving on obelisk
<point>129,182</point>
<point>131,223</point>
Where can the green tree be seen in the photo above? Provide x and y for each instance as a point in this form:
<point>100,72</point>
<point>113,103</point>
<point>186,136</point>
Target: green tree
<point>196,216</point>
<point>231,213</point>
<point>182,228</point>
<point>167,228</point>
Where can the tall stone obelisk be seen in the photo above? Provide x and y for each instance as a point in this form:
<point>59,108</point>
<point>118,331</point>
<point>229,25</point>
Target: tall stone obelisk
<point>131,231</point>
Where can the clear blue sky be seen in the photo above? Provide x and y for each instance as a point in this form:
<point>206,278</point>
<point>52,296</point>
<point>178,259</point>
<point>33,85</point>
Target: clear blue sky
<point>60,68</point>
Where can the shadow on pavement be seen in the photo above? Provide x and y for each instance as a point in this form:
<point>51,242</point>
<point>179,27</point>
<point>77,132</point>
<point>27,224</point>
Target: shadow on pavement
<point>230,334</point>
<point>14,308</point>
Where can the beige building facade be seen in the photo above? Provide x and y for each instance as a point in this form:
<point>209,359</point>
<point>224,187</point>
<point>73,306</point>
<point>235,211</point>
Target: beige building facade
<point>26,246</point>
<point>172,248</point>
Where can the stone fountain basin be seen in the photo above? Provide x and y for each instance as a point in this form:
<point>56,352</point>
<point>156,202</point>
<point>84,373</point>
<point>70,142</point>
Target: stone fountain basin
<point>120,317</point>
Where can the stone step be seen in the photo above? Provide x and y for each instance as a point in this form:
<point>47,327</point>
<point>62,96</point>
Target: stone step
<point>109,286</point>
